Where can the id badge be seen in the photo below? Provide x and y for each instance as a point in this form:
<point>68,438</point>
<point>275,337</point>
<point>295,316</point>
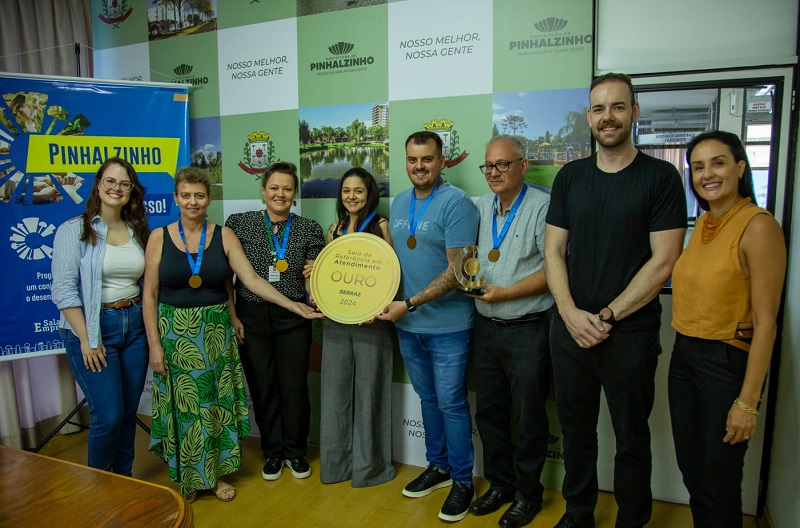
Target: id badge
<point>274,275</point>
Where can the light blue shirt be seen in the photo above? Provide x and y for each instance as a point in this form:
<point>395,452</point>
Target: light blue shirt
<point>521,253</point>
<point>450,221</point>
<point>78,272</point>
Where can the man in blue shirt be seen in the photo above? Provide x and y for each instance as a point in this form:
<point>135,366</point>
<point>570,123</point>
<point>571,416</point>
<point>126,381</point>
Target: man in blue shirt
<point>430,224</point>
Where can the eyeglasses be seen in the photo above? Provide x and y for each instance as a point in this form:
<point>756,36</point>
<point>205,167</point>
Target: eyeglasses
<point>110,183</point>
<point>501,166</point>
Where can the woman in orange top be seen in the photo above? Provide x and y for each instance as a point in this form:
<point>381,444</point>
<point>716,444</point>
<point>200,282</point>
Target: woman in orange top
<point>726,292</point>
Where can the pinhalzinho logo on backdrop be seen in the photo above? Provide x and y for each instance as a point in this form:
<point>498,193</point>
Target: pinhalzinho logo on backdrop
<point>450,141</point>
<point>115,12</point>
<point>555,449</point>
<point>551,38</point>
<point>259,153</point>
<point>342,61</point>
<point>183,75</point>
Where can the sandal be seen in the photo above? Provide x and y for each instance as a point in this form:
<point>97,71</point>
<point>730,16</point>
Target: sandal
<point>191,497</point>
<point>224,491</point>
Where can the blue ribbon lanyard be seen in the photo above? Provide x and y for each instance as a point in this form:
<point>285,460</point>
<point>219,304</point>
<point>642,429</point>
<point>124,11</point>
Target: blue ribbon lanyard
<point>364,225</point>
<point>281,265</point>
<point>497,239</point>
<point>412,241</point>
<point>194,281</point>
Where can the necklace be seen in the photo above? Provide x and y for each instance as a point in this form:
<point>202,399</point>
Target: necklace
<point>713,226</point>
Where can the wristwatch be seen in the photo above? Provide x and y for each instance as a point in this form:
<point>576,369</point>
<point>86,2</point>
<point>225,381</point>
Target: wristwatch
<point>410,307</point>
<point>607,315</point>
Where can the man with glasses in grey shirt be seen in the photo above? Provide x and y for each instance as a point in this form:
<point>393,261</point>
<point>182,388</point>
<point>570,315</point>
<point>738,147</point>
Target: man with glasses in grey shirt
<point>510,344</point>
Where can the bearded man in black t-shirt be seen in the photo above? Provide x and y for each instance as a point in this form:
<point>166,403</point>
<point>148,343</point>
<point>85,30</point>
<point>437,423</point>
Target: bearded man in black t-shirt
<point>615,228</point>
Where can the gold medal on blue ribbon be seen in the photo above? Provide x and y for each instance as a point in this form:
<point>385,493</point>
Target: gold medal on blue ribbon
<point>195,281</point>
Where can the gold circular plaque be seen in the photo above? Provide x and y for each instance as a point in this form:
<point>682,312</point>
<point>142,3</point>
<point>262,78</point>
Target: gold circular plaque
<point>355,277</point>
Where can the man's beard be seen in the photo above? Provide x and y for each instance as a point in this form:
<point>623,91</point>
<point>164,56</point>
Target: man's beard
<point>625,136</point>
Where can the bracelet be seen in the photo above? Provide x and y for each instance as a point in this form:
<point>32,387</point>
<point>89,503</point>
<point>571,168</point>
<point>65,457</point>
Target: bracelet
<point>746,408</point>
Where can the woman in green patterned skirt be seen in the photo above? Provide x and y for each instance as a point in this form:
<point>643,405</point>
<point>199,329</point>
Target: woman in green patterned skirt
<point>199,401</point>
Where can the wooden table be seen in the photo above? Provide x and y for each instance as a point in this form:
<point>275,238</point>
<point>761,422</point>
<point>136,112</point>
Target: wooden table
<point>39,491</point>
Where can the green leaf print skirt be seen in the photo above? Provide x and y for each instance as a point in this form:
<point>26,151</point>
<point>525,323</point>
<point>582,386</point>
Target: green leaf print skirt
<point>200,407</point>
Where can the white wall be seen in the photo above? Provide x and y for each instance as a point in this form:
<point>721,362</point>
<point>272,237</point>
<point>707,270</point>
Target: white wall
<point>782,489</point>
<point>642,37</point>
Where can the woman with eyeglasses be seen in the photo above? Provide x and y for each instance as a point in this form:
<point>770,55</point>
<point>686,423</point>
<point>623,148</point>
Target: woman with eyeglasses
<point>356,374</point>
<point>98,263</point>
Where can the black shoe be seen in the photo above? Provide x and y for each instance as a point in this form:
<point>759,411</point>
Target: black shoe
<point>573,521</point>
<point>489,502</point>
<point>272,469</point>
<point>456,505</point>
<point>299,467</point>
<point>430,479</point>
<point>520,513</point>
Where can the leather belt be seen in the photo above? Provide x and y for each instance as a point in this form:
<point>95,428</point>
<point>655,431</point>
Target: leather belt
<point>741,340</point>
<point>123,303</point>
<point>519,321</point>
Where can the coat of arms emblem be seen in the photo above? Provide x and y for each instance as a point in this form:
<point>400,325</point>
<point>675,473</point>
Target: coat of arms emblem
<point>259,152</point>
<point>450,141</point>
<point>114,12</point>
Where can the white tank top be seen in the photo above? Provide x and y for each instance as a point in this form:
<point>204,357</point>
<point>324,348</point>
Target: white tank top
<point>122,268</point>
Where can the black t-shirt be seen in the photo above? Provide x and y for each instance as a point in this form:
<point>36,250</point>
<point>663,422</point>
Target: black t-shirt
<point>609,217</point>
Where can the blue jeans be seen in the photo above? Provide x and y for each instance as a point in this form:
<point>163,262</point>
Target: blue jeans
<point>113,394</point>
<point>437,367</point>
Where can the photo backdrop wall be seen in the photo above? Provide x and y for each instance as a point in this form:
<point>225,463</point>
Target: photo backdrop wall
<point>329,84</point>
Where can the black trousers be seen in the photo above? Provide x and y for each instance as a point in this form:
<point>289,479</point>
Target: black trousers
<point>624,367</point>
<point>275,357</point>
<point>704,379</point>
<point>512,373</point>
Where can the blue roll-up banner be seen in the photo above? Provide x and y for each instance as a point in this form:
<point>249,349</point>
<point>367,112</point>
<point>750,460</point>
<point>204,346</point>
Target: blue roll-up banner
<point>54,135</point>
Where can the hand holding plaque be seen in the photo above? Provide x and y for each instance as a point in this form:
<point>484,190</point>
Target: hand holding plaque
<point>355,277</point>
<point>466,267</point>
